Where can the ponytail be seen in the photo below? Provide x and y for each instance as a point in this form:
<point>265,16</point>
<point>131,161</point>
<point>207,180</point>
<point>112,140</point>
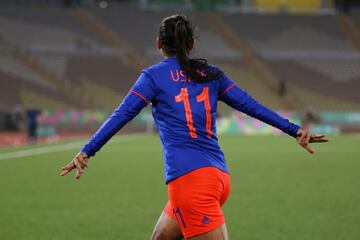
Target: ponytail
<point>183,41</point>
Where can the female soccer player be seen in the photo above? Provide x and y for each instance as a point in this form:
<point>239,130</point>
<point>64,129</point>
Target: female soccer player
<point>183,93</point>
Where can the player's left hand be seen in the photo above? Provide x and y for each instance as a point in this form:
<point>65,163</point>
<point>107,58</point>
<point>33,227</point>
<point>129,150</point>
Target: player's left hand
<point>79,162</point>
<point>304,137</point>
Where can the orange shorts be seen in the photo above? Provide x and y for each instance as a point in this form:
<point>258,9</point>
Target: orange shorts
<point>195,200</point>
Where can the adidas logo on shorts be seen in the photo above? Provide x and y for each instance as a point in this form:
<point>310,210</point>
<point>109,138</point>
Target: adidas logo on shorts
<point>205,220</point>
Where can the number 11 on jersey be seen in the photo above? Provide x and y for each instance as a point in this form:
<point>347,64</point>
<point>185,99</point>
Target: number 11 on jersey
<point>202,97</point>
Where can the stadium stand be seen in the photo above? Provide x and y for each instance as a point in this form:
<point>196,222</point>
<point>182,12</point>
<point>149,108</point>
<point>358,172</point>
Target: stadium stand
<point>289,32</point>
<point>344,71</point>
<point>49,17</point>
<point>102,50</point>
<point>355,16</point>
<point>211,44</point>
<point>54,62</point>
<point>144,41</point>
<point>129,56</point>
<point>310,54</point>
<point>25,87</point>
<point>48,47</point>
<point>319,78</point>
<point>109,97</point>
<point>106,71</point>
<point>349,29</point>
<point>249,57</point>
<point>10,66</point>
<point>45,39</point>
<point>29,94</point>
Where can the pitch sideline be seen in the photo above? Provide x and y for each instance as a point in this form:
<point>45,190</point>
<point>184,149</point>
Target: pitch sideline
<point>61,147</point>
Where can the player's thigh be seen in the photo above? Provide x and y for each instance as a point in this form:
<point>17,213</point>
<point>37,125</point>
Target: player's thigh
<point>166,228</point>
<point>219,233</point>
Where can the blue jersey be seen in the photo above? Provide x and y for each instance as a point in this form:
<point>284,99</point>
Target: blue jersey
<point>185,114</point>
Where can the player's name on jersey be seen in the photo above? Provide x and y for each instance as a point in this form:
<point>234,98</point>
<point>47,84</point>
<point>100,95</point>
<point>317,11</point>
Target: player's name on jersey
<point>181,75</point>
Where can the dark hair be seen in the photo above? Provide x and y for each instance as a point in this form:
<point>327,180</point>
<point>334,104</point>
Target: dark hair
<point>176,36</point>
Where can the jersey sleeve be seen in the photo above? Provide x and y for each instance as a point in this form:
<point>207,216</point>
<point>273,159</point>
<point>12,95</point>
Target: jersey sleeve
<point>240,100</point>
<point>138,97</point>
<point>144,87</point>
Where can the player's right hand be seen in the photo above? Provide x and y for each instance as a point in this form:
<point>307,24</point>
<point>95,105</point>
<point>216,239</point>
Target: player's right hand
<point>80,162</point>
<point>304,137</point>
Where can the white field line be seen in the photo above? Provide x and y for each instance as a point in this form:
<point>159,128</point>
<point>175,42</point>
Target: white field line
<point>60,148</point>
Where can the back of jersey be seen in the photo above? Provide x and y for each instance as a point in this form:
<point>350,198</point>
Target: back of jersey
<point>185,115</point>
<point>184,112</point>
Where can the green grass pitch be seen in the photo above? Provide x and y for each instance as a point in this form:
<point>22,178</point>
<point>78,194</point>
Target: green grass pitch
<point>279,192</point>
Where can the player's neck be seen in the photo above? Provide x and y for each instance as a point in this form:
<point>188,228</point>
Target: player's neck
<point>168,56</point>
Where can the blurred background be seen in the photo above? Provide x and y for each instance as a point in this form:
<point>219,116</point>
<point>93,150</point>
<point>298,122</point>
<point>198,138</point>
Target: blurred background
<point>66,64</point>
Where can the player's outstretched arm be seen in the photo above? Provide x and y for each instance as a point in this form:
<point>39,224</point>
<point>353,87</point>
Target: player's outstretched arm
<point>126,111</point>
<point>137,98</point>
<point>304,137</point>
<point>242,101</point>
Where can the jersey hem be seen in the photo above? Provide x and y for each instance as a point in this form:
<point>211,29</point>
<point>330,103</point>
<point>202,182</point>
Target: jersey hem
<point>191,170</point>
